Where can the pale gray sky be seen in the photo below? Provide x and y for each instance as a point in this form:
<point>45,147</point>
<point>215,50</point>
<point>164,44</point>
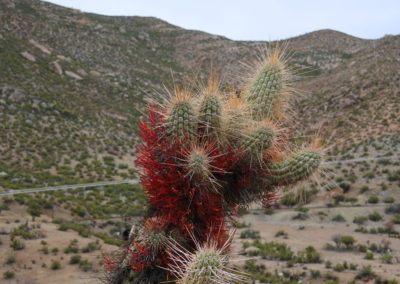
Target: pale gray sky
<point>258,19</point>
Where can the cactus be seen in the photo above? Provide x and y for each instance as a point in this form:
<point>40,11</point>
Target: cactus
<point>269,84</point>
<point>201,157</point>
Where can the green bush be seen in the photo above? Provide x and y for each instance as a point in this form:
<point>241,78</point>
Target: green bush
<point>308,255</point>
<point>338,218</point>
<point>360,220</point>
<point>387,258</point>
<point>55,265</point>
<point>17,245</point>
<point>289,199</point>
<point>373,200</point>
<point>375,216</point>
<point>389,200</point>
<point>85,265</point>
<point>92,246</point>
<point>250,234</point>
<point>365,274</point>
<point>281,233</point>
<point>75,259</point>
<point>9,274</point>
<point>369,256</point>
<point>72,247</point>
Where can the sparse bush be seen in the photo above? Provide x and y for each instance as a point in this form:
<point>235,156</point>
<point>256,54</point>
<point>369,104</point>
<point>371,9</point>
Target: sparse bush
<point>364,189</point>
<point>375,217</point>
<point>365,274</point>
<point>72,247</point>
<point>10,260</point>
<point>92,246</point>
<point>55,265</point>
<point>369,256</point>
<point>315,274</point>
<point>338,218</point>
<point>250,234</point>
<point>9,274</point>
<point>348,241</point>
<point>75,259</point>
<point>387,258</point>
<point>360,220</point>
<point>373,200</point>
<point>308,255</point>
<point>85,265</point>
<point>389,200</point>
<point>281,233</point>
<point>17,245</point>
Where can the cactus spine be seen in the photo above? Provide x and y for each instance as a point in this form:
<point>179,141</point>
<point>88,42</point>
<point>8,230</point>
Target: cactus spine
<point>196,158</point>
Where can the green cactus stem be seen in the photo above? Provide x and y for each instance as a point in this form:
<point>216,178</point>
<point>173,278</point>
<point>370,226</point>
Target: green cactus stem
<point>297,167</point>
<point>210,113</point>
<point>181,120</point>
<point>265,89</point>
<point>258,141</point>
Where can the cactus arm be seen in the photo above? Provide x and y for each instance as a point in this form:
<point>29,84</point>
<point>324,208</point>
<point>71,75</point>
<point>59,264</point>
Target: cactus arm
<point>264,90</point>
<point>297,167</point>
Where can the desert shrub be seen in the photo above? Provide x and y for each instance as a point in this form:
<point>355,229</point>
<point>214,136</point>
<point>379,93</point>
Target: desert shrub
<point>8,274</point>
<point>10,260</point>
<point>338,198</point>
<point>360,220</point>
<point>85,265</point>
<point>345,186</point>
<point>250,234</point>
<point>281,233</point>
<point>55,265</point>
<point>302,209</point>
<point>328,264</point>
<point>338,218</point>
<point>375,216</point>
<point>72,247</point>
<point>366,273</point>
<point>108,240</point>
<point>373,199</point>
<point>369,256</point>
<point>363,189</point>
<point>353,266</point>
<point>389,200</point>
<point>396,219</point>
<point>92,246</point>
<point>348,241</point>
<point>75,259</point>
<point>308,255</point>
<point>274,250</point>
<point>289,199</point>
<point>315,274</point>
<point>387,258</point>
<point>362,248</point>
<point>17,245</point>
<point>339,267</point>
<point>300,216</point>
<point>241,225</point>
<point>45,250</point>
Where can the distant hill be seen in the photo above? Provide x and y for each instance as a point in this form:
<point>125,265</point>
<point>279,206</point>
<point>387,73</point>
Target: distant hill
<point>73,84</point>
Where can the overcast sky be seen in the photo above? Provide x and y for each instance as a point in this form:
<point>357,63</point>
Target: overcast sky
<point>258,19</point>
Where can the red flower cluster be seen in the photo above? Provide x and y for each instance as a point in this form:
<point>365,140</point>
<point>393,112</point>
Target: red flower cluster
<point>179,204</point>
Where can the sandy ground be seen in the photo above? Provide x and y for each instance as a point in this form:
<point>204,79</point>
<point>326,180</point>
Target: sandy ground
<point>317,232</point>
<point>314,231</point>
<point>30,261</point>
